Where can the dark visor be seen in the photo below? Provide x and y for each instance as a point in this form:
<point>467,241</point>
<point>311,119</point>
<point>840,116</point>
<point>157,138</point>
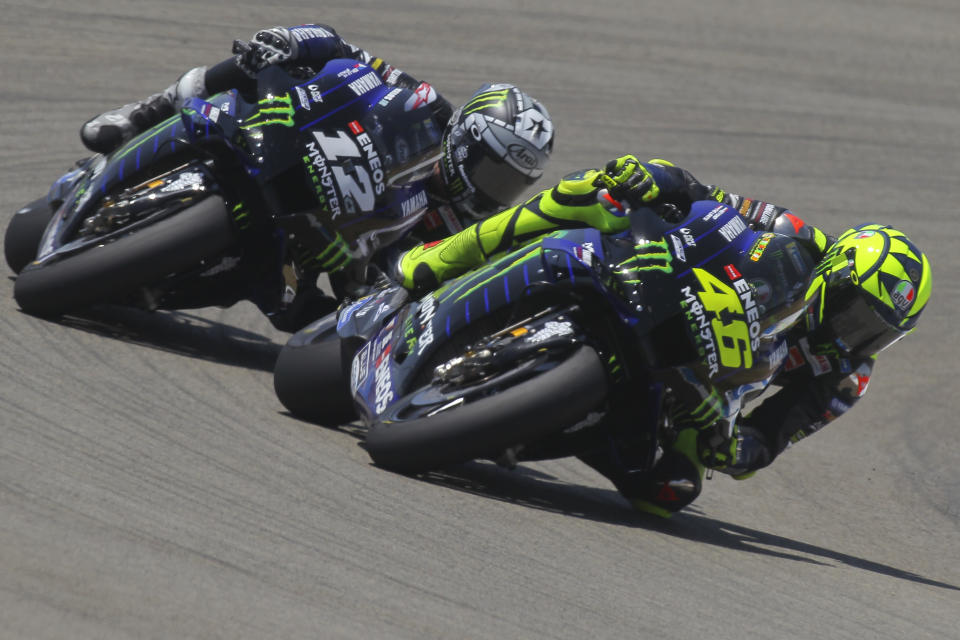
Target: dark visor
<point>857,325</point>
<point>497,180</point>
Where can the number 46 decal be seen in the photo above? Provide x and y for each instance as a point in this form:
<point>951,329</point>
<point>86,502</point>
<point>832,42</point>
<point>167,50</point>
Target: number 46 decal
<point>736,340</point>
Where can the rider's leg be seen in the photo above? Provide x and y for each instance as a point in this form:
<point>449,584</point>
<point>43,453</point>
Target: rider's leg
<point>110,129</point>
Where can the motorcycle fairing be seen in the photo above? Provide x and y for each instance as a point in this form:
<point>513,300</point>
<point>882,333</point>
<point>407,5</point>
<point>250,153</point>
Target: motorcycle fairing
<point>366,156</point>
<point>362,318</point>
<point>577,256</point>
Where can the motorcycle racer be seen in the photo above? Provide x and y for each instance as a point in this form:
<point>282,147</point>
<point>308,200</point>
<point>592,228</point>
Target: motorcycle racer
<point>867,292</point>
<point>492,148</point>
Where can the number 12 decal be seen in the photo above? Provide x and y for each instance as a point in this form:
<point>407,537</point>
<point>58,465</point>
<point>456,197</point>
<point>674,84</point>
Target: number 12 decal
<point>353,178</point>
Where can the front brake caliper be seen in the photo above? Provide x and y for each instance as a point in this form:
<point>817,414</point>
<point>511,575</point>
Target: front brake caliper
<point>172,190</point>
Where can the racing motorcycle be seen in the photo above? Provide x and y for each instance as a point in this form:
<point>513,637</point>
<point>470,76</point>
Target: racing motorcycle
<point>201,209</point>
<point>546,351</point>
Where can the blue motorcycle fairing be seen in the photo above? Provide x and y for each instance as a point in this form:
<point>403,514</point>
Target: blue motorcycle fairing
<point>373,138</point>
<point>649,282</point>
<point>362,319</point>
<point>419,328</point>
<point>584,245</point>
<point>370,164</point>
<point>372,371</point>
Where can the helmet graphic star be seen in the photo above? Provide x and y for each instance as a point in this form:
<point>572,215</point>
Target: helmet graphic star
<point>495,146</point>
<point>868,291</point>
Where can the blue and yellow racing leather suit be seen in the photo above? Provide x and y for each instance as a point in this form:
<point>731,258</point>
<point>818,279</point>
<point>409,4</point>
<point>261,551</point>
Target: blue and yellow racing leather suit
<point>817,383</point>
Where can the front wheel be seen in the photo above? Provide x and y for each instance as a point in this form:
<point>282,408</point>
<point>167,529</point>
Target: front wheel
<point>23,235</point>
<point>103,273</point>
<point>533,409</point>
<point>311,381</point>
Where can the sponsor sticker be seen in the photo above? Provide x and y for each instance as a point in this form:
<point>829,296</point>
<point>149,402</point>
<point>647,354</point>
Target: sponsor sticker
<point>700,326</point>
<point>389,97</point>
<point>211,112</point>
<point>422,95</point>
<point>365,84</point>
<point>551,329</point>
<point>903,295</point>
<point>584,253</point>
<point>760,246</point>
<point>733,228</point>
<point>360,368</point>
<point>428,308</point>
<point>415,203</point>
<point>795,360</point>
<point>678,248</point>
<point>304,98</point>
<point>382,378</point>
<point>715,213</point>
<point>818,364</point>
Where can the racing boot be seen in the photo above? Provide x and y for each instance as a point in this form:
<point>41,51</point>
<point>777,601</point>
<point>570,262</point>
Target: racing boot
<point>677,478</point>
<point>110,129</point>
<point>425,266</point>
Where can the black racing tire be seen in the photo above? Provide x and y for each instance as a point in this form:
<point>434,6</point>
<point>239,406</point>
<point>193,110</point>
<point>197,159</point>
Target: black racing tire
<point>526,412</point>
<point>23,235</point>
<point>109,272</point>
<point>312,382</point>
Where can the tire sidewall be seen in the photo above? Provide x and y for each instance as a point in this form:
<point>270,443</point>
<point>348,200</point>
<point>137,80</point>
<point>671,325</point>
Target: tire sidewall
<point>525,412</point>
<point>24,233</point>
<point>111,271</point>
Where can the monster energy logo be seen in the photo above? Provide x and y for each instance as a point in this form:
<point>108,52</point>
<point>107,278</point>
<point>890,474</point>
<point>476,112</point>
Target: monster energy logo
<point>241,215</point>
<point>651,256</point>
<point>485,100</point>
<point>833,259</point>
<point>272,110</point>
<point>335,256</point>
<point>706,413</point>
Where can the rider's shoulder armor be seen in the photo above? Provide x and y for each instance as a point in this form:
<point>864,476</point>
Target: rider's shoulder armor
<point>812,238</point>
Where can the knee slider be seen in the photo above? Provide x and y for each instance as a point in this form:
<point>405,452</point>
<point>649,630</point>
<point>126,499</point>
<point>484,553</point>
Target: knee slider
<point>676,482</point>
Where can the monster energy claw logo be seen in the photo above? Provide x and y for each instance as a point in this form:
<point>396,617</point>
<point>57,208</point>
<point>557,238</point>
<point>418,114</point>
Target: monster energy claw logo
<point>271,110</point>
<point>485,100</point>
<point>652,256</point>
<point>241,215</point>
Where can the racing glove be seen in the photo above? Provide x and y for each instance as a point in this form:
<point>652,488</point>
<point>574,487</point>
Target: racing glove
<point>715,450</point>
<point>625,179</point>
<point>739,456</point>
<point>268,46</point>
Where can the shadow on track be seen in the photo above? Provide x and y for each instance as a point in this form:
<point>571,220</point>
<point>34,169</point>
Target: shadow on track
<point>531,488</point>
<point>180,333</point>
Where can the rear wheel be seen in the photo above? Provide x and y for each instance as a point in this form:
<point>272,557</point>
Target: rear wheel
<point>525,412</point>
<point>23,235</point>
<point>108,272</point>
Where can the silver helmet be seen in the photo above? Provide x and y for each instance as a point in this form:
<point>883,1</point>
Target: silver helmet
<point>495,146</point>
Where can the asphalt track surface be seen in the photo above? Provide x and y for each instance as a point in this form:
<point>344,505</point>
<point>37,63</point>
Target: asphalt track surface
<point>151,485</point>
